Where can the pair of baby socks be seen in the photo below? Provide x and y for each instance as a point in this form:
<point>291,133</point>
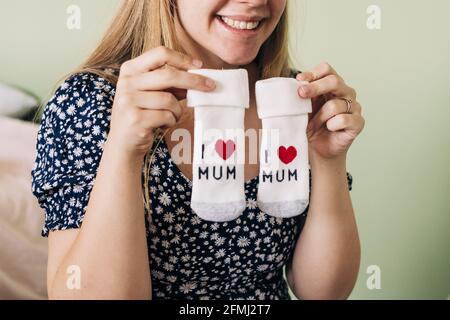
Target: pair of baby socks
<point>218,192</point>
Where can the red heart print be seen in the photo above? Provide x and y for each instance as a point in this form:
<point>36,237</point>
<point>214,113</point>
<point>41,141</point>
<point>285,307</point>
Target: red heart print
<point>225,148</point>
<point>287,155</point>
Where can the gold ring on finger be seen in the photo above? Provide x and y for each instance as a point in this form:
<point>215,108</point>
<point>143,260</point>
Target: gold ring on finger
<point>349,104</point>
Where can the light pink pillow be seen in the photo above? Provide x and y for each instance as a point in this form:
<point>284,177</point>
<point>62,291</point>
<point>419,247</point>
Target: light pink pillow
<point>23,251</point>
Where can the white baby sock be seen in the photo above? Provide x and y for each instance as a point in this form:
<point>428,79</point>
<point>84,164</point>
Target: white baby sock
<point>218,170</point>
<point>284,170</point>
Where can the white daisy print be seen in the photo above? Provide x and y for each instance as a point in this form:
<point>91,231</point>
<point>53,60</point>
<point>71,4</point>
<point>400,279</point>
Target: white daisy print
<point>168,217</point>
<point>243,242</point>
<point>71,110</point>
<point>220,253</point>
<point>77,152</point>
<point>188,287</point>
<point>251,204</point>
<point>62,98</point>
<point>165,199</point>
<point>80,102</point>
<point>79,164</point>
<point>155,170</point>
<point>96,130</point>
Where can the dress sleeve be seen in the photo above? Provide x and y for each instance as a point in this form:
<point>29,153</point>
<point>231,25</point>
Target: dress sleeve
<point>73,129</point>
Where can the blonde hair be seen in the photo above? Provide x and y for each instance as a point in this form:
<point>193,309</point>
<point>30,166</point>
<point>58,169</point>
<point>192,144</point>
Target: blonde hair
<point>140,25</point>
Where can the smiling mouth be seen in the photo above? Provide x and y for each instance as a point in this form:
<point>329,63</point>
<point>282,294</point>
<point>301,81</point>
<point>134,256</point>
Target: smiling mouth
<point>240,25</point>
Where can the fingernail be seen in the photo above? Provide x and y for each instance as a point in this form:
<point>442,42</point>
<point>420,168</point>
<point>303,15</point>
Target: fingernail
<point>304,90</point>
<point>197,63</point>
<point>304,82</point>
<point>210,83</point>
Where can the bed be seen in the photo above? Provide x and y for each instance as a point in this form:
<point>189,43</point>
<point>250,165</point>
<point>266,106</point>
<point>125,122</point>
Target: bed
<point>23,252</point>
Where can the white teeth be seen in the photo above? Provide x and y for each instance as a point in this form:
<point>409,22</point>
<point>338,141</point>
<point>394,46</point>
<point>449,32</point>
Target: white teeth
<point>242,25</point>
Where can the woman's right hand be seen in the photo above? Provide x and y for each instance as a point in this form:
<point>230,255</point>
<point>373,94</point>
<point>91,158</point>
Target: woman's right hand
<point>144,101</point>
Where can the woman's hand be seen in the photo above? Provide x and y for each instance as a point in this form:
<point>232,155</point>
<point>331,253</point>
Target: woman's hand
<point>327,257</point>
<point>331,129</point>
<point>147,97</point>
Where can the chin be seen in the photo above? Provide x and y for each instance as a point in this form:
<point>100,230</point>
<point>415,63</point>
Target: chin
<point>237,57</point>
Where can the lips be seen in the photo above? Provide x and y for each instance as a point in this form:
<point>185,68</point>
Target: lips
<point>241,24</point>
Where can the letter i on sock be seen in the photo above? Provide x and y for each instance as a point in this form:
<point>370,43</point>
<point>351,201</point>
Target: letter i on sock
<point>218,192</point>
<point>284,168</point>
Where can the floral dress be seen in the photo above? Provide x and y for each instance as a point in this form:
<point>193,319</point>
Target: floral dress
<point>189,258</point>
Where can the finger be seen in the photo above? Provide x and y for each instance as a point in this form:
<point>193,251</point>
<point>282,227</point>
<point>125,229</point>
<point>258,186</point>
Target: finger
<point>321,71</point>
<point>331,84</point>
<point>351,122</point>
<point>157,58</point>
<point>158,101</point>
<point>330,109</point>
<point>305,76</point>
<point>159,118</point>
<point>180,94</point>
<point>170,77</point>
<point>356,108</point>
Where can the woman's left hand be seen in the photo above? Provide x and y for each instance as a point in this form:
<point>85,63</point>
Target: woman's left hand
<point>331,129</point>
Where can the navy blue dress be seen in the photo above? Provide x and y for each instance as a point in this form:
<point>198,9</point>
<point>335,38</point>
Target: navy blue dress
<point>189,258</point>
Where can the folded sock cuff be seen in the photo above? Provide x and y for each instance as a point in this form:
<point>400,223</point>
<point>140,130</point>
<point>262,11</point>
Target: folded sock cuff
<point>278,97</point>
<point>232,89</point>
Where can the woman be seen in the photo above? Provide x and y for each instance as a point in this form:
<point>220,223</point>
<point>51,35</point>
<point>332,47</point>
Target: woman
<point>123,219</point>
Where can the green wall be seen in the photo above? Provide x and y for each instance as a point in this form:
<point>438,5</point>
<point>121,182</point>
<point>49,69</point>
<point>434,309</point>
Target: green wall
<point>402,73</point>
<point>400,162</point>
<point>37,47</point>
